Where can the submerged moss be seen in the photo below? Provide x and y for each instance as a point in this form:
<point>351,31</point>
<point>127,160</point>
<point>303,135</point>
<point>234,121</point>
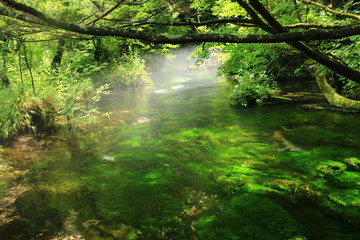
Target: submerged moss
<point>249,216</point>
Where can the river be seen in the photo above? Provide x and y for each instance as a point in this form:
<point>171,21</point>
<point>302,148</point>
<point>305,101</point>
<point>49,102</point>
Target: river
<point>177,161</point>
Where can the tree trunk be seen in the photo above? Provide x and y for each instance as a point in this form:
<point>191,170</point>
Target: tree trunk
<point>98,49</point>
<point>333,97</point>
<point>4,80</point>
<point>58,55</point>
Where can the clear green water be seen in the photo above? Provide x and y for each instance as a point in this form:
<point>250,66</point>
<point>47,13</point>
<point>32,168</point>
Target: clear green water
<point>178,162</point>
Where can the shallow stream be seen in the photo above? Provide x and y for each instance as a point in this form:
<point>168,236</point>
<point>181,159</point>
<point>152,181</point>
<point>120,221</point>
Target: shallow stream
<point>176,161</point>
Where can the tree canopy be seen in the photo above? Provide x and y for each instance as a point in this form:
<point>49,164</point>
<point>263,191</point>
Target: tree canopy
<point>298,23</point>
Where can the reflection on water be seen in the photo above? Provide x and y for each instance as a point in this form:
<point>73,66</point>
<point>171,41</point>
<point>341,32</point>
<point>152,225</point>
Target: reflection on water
<point>176,161</point>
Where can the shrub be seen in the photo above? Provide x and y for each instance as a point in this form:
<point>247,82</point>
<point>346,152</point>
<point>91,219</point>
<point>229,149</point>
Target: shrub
<point>251,89</point>
<point>130,71</point>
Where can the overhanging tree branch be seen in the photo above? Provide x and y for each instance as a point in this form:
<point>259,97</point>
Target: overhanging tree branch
<point>343,14</point>
<point>194,24</point>
<point>321,58</point>
<point>21,17</point>
<point>277,34</point>
<point>317,26</point>
<point>187,38</point>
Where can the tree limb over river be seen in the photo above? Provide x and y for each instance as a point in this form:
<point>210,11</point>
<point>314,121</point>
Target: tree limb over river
<point>186,38</point>
<point>308,35</point>
<point>259,16</point>
<point>252,14</point>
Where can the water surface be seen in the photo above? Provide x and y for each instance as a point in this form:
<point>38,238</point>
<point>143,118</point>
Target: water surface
<point>176,161</point>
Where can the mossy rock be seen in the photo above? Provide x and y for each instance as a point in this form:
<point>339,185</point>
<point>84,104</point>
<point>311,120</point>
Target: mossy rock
<point>207,139</point>
<point>298,238</point>
<point>347,180</point>
<point>283,186</point>
<point>331,168</point>
<point>353,163</point>
<point>120,231</point>
<point>230,184</point>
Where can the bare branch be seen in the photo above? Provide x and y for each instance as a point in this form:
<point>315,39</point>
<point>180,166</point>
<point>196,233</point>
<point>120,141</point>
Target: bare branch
<point>106,13</point>
<point>138,4</point>
<point>97,5</point>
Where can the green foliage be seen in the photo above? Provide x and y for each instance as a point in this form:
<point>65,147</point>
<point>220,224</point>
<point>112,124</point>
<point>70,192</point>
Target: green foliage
<point>259,69</point>
<point>129,71</point>
<point>349,51</point>
<point>11,119</point>
<point>58,93</point>
<point>251,88</point>
<point>227,9</point>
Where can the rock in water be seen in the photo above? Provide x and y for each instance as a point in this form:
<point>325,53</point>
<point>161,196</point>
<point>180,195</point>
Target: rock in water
<point>108,158</point>
<point>90,223</point>
<point>289,146</point>
<point>178,87</point>
<point>141,120</point>
<point>160,91</point>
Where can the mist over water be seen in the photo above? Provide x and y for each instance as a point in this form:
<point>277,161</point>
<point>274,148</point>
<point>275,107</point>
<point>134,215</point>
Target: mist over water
<point>176,161</point>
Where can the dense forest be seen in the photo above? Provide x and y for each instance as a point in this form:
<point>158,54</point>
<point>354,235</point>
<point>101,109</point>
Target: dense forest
<point>172,119</point>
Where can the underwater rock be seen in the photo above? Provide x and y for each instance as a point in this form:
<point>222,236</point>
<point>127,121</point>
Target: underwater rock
<point>207,140</point>
<point>338,174</point>
<point>70,231</point>
<point>176,87</point>
<point>70,237</point>
<point>90,223</point>
<point>353,163</point>
<point>160,91</point>
<point>24,142</point>
<point>288,146</point>
<point>120,231</point>
<point>180,79</point>
<point>298,238</point>
<point>198,202</point>
<point>8,210</point>
<point>141,120</point>
<point>168,234</point>
<point>28,143</point>
<point>196,67</point>
<point>108,158</point>
<point>331,168</point>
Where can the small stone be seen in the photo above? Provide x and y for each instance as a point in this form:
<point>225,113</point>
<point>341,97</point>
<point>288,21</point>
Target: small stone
<point>90,223</point>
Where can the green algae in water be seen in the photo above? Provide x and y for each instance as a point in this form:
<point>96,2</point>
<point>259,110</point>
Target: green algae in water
<point>249,216</point>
